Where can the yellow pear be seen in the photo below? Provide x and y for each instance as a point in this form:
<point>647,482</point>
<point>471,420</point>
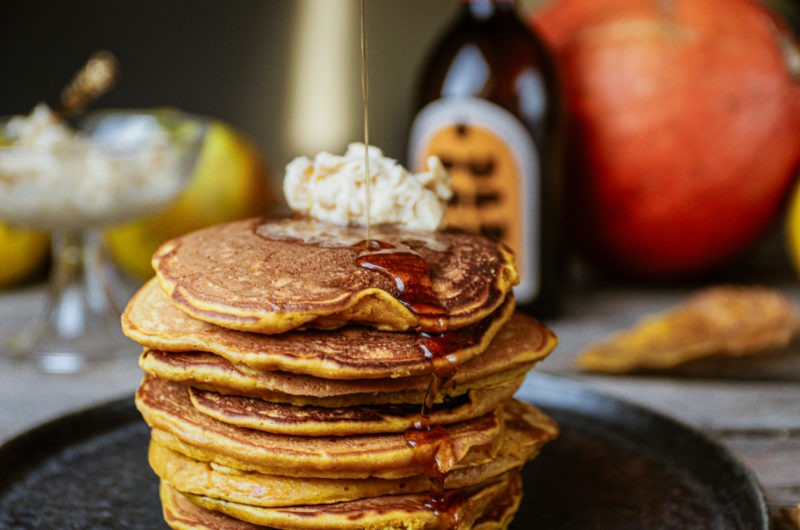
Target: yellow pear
<point>229,182</point>
<point>793,228</point>
<point>22,252</point>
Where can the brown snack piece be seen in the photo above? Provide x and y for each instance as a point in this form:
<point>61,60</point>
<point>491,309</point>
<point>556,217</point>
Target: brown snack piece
<point>733,321</point>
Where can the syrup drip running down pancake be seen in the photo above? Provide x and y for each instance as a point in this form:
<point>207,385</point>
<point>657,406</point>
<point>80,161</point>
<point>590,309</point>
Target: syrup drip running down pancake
<point>528,430</point>
<point>356,352</point>
<point>233,276</point>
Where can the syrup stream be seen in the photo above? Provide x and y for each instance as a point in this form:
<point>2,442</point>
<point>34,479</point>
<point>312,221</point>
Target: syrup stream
<point>411,275</point>
<point>364,110</point>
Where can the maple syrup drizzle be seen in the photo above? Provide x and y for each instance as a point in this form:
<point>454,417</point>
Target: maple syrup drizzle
<point>450,508</point>
<point>437,347</point>
<point>433,451</point>
<point>430,442</point>
<point>411,275</point>
<point>409,271</point>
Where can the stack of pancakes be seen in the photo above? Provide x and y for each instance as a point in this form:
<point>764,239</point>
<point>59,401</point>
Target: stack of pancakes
<point>297,380</point>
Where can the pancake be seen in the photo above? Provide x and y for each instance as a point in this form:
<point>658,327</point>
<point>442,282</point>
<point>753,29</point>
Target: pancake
<point>531,431</point>
<point>279,418</point>
<point>181,514</point>
<point>262,275</point>
<point>166,407</point>
<point>526,434</point>
<point>500,513</point>
<point>515,349</point>
<point>210,372</point>
<point>351,353</point>
<point>387,512</point>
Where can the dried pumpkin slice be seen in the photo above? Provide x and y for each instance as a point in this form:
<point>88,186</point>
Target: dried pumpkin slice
<point>724,320</point>
<point>791,516</point>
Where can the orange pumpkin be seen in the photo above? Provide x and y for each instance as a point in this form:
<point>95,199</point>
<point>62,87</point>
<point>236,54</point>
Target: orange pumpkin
<point>685,126</point>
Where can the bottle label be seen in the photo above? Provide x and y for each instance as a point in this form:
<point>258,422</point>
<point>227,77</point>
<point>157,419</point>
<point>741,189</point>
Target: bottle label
<point>495,168</point>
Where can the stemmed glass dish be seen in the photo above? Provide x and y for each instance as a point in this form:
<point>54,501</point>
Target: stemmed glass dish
<point>126,165</point>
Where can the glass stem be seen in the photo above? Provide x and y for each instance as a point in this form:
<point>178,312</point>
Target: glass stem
<point>68,309</point>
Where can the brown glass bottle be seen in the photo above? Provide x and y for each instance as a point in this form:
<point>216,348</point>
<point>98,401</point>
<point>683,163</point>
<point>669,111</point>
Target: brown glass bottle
<point>490,107</point>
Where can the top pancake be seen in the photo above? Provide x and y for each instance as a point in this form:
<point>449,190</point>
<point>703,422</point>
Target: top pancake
<point>273,275</point>
<point>356,352</point>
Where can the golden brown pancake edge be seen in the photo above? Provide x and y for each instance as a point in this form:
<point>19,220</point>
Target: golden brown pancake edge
<point>515,348</point>
<point>388,512</point>
<point>230,276</point>
<point>166,407</point>
<point>280,418</point>
<point>354,352</point>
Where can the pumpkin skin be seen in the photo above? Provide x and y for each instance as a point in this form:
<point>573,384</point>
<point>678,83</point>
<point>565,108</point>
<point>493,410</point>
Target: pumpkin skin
<point>684,127</point>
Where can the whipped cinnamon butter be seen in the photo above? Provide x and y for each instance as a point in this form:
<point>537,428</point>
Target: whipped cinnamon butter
<point>331,188</point>
<point>52,176</point>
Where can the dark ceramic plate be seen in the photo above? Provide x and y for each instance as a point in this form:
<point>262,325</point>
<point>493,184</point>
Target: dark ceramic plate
<point>614,466</point>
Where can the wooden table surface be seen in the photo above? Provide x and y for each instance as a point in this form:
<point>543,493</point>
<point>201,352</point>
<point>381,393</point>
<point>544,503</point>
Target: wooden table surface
<point>752,405</point>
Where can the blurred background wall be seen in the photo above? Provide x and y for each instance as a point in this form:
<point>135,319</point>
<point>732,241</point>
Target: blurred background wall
<point>286,72</point>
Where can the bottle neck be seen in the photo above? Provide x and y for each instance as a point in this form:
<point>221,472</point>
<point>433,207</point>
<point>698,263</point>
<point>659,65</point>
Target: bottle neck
<point>485,9</point>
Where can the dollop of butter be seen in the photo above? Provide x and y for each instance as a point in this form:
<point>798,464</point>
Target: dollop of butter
<point>331,188</point>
